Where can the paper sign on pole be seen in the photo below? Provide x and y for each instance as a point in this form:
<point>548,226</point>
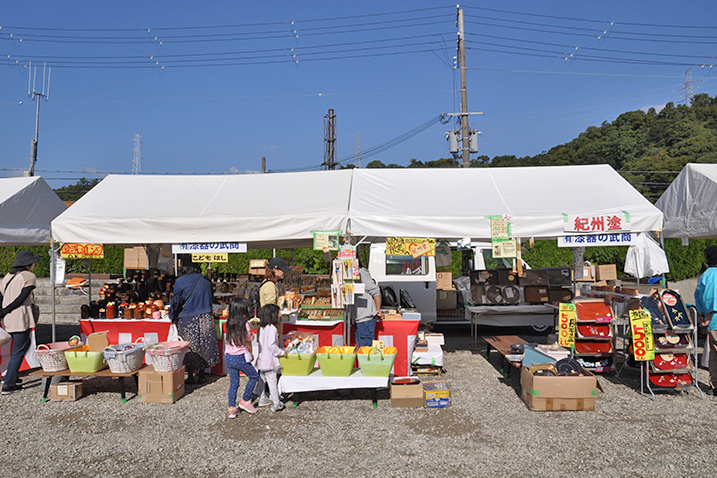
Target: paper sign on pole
<point>566,325</point>
<point>643,342</point>
<point>211,257</point>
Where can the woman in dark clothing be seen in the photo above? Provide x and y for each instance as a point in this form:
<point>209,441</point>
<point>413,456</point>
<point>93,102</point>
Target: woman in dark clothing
<point>196,321</point>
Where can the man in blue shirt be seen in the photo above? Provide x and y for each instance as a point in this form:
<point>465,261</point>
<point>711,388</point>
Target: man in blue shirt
<point>706,300</point>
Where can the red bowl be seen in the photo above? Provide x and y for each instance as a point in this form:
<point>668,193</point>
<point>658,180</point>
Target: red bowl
<point>594,330</point>
<point>593,310</point>
<point>671,380</point>
<point>670,361</point>
<point>593,347</point>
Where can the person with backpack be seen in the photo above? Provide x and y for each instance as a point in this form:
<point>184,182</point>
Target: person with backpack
<point>17,314</point>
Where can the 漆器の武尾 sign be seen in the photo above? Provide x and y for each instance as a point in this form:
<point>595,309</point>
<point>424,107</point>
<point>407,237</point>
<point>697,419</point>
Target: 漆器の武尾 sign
<point>72,250</point>
<point>586,240</point>
<point>205,247</point>
<point>410,246</point>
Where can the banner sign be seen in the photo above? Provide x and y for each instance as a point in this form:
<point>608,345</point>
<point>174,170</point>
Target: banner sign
<point>326,240</point>
<point>211,257</point>
<point>410,246</point>
<point>643,342</point>
<point>588,223</point>
<point>187,248</point>
<point>82,251</point>
<point>566,325</point>
<point>616,239</point>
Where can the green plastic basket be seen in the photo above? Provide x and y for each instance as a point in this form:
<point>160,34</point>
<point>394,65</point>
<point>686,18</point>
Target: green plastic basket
<point>297,365</point>
<point>376,364</point>
<point>81,360</point>
<point>335,362</point>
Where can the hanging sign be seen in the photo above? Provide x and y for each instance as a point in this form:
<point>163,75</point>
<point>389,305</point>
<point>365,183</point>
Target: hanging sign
<point>326,240</point>
<point>591,223</point>
<point>504,248</point>
<point>410,246</point>
<point>566,325</point>
<point>210,257</point>
<point>643,343</point>
<point>583,240</point>
<point>499,228</point>
<point>82,251</point>
<point>202,247</point>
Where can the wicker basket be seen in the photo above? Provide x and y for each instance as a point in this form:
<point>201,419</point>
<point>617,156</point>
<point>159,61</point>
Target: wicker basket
<point>168,356</point>
<point>52,356</point>
<point>125,358</point>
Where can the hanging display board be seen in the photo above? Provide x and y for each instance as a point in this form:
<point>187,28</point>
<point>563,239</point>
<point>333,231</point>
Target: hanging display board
<point>590,240</point>
<point>204,247</point>
<point>410,246</point>
<point>326,240</point>
<point>210,257</point>
<point>504,248</point>
<point>643,342</point>
<point>566,325</point>
<point>72,250</point>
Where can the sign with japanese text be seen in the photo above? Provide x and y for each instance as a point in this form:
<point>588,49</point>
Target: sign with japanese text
<point>504,248</point>
<point>211,257</point>
<point>595,224</point>
<point>499,228</point>
<point>326,240</point>
<point>566,325</point>
<point>615,239</point>
<point>82,251</point>
<point>643,342</point>
<point>189,248</point>
<point>410,246</point>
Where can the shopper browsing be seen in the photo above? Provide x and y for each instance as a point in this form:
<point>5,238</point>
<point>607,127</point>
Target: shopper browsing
<point>238,356</point>
<point>366,308</point>
<point>266,360</point>
<point>706,300</point>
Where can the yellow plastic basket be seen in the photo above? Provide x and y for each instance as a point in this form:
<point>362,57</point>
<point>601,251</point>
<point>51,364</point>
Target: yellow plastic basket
<point>375,363</point>
<point>81,360</point>
<point>336,361</point>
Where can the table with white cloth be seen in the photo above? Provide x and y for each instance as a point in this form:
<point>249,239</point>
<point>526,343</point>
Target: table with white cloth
<point>433,357</point>
<point>316,381</point>
<point>525,315</point>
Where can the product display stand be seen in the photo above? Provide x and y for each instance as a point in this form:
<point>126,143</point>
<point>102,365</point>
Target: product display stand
<point>102,373</point>
<point>316,381</point>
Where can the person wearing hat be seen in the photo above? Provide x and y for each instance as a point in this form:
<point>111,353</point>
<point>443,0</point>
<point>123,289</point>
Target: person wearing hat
<point>268,292</point>
<point>706,300</point>
<point>18,318</point>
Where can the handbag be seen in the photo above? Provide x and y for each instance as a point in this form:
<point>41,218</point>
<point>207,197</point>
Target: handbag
<point>35,314</point>
<point>4,337</point>
<point>178,302</point>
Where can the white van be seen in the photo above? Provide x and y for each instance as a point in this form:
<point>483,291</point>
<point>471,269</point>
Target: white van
<point>417,276</point>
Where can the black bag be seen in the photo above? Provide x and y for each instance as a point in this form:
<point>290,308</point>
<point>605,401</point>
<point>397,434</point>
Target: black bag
<point>254,300</point>
<point>176,305</point>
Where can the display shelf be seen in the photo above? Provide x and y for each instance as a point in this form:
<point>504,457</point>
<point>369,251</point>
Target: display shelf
<point>656,371</point>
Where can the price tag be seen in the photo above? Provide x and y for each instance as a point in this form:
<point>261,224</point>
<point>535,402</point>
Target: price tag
<point>566,325</point>
<point>211,257</point>
<point>643,342</point>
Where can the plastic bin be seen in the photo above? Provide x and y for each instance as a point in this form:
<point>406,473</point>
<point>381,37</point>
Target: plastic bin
<point>374,363</point>
<point>297,365</point>
<point>336,361</point>
<point>81,360</point>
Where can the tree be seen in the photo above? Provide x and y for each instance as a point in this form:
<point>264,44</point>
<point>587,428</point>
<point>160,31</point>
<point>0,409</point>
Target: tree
<point>75,191</point>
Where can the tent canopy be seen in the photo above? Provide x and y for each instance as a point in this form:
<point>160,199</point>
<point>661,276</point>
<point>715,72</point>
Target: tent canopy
<point>273,210</point>
<point>27,206</point>
<point>689,203</point>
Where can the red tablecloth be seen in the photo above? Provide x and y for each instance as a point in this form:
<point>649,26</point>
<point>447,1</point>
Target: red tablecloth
<point>324,334</point>
<point>402,335</point>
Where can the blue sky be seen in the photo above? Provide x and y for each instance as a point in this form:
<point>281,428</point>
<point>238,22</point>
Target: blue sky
<point>232,91</point>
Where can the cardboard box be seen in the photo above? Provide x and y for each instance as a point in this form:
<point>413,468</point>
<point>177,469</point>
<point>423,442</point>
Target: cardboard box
<point>65,391</point>
<point>588,274</point>
<point>136,258</point>
<point>446,299</point>
<point>98,341</point>
<point>436,394</point>
<point>258,267</point>
<point>407,396</point>
<point>434,338</point>
<point>392,315</point>
<point>606,272</point>
<point>160,387</point>
<point>444,280</point>
<point>544,393</point>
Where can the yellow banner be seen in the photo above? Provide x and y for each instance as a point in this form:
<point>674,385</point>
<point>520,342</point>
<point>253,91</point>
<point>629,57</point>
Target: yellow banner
<point>643,342</point>
<point>211,257</point>
<point>82,251</point>
<point>410,246</point>
<point>566,325</point>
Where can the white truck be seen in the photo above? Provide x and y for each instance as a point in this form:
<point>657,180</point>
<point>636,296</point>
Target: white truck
<point>417,276</point>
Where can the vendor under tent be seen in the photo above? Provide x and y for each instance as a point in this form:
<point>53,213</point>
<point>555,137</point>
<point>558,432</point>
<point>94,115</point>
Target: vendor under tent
<point>27,206</point>
<point>689,203</point>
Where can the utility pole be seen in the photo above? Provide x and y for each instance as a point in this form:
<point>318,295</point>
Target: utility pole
<point>329,141</point>
<point>464,91</point>
<point>263,164</point>
<point>32,93</point>
<point>137,154</point>
<point>357,161</point>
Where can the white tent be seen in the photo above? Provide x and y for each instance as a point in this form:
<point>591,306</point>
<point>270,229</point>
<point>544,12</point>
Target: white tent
<point>267,210</point>
<point>27,206</point>
<point>689,203</point>
<point>259,209</point>
<point>454,203</point>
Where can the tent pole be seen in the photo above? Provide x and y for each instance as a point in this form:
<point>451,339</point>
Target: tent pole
<point>662,243</point>
<point>89,281</point>
<point>52,284</point>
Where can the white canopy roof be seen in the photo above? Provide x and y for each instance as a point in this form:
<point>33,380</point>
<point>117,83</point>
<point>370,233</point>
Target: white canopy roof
<point>27,206</point>
<point>690,203</point>
<point>268,210</point>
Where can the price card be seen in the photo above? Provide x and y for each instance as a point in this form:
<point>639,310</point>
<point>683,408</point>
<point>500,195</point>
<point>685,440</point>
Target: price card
<point>566,325</point>
<point>643,342</point>
<point>211,257</point>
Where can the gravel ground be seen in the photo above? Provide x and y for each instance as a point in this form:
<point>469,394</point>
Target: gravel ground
<point>488,431</point>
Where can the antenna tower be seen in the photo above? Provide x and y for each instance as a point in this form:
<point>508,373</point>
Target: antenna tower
<point>357,161</point>
<point>137,156</point>
<point>689,92</point>
<point>35,95</point>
